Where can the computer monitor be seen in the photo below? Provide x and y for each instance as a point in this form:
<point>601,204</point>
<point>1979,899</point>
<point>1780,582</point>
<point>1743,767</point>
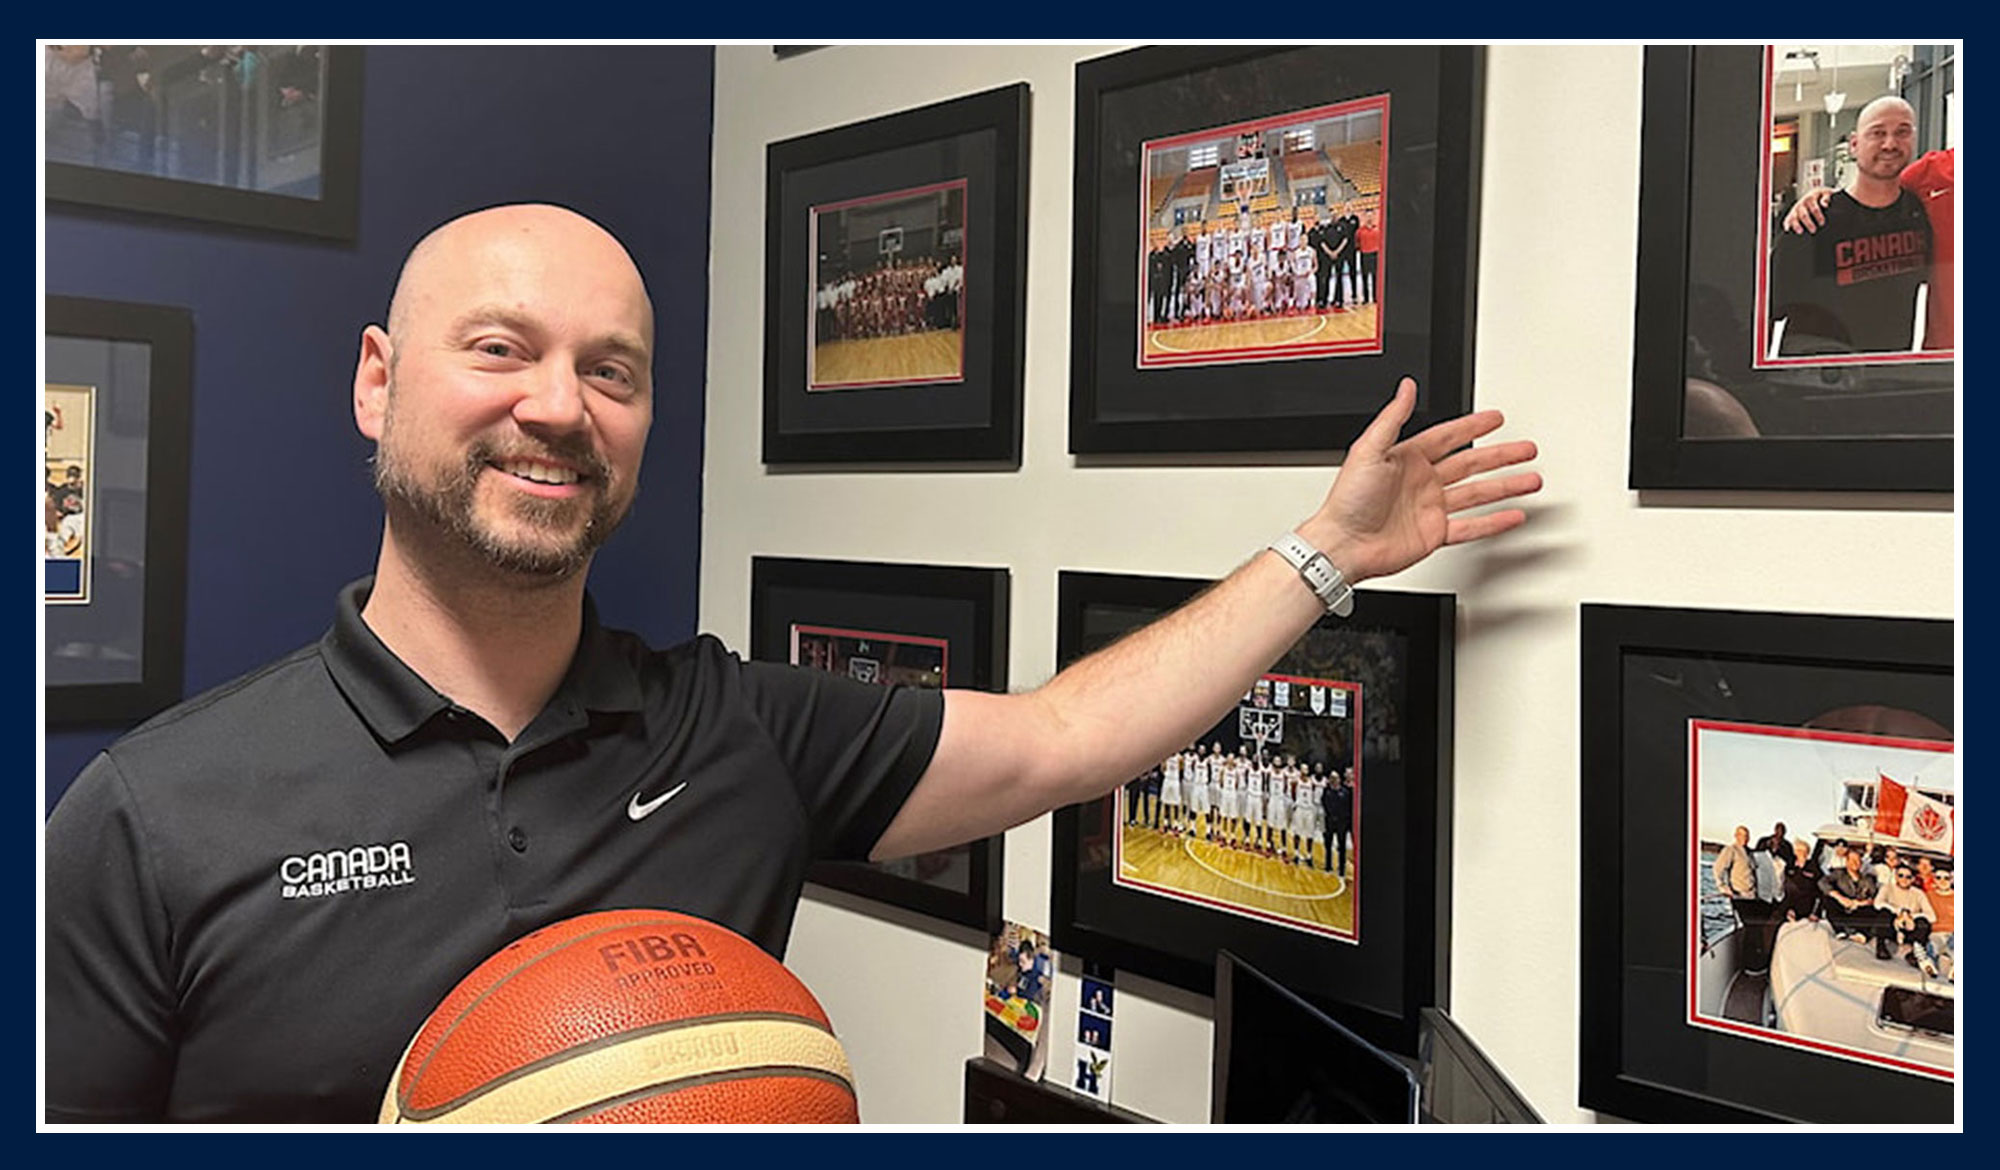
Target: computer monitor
<point>1458,1084</point>
<point>1280,1060</point>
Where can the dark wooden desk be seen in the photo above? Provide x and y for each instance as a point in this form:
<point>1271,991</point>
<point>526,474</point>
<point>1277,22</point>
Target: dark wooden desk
<point>996,1096</point>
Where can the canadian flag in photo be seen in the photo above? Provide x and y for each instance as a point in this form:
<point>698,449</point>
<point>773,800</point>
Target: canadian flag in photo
<point>1913,816</point>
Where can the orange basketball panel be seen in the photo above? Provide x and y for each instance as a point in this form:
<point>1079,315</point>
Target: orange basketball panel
<point>794,1100</point>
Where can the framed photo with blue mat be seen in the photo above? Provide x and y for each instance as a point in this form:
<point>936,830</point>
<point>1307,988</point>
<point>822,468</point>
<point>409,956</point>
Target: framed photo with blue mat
<point>116,411</point>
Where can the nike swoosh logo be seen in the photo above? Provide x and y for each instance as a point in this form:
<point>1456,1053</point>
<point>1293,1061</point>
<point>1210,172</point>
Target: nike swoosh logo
<point>639,810</point>
<point>1940,191</point>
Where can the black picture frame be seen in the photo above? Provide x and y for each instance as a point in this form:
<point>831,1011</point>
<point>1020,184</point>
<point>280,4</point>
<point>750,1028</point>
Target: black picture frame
<point>115,653</point>
<point>1392,961</point>
<point>1425,188</point>
<point>331,212</point>
<point>1662,690</point>
<point>1705,413</point>
<point>890,398</point>
<point>963,610</point>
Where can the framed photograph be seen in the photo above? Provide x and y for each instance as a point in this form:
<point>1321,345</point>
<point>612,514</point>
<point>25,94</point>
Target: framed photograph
<point>1307,831</point>
<point>1776,349</point>
<point>262,136</point>
<point>894,625</point>
<point>116,406</point>
<point>895,253</point>
<point>1267,239</point>
<point>1769,850</point>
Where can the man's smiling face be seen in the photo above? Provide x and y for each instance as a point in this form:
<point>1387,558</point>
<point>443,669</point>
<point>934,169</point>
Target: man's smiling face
<point>519,391</point>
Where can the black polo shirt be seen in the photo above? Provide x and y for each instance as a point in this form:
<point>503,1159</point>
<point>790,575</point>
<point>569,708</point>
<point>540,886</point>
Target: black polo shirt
<point>255,899</point>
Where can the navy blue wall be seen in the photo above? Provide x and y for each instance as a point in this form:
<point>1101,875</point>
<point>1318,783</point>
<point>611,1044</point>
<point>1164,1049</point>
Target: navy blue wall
<point>283,514</point>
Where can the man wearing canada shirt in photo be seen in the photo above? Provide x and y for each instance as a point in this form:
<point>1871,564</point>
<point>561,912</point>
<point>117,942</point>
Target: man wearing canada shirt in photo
<point>1853,286</point>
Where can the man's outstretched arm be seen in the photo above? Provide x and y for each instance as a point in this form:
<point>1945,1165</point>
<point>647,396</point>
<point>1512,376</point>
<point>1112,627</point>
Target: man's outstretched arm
<point>1005,759</point>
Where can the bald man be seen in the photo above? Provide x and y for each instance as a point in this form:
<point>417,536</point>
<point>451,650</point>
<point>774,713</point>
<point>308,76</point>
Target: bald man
<point>1859,284</point>
<point>255,899</point>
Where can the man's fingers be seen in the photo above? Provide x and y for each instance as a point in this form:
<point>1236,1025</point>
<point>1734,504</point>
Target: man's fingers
<point>1478,460</point>
<point>1440,440</point>
<point>1481,492</point>
<point>1816,211</point>
<point>1471,528</point>
<point>1381,433</point>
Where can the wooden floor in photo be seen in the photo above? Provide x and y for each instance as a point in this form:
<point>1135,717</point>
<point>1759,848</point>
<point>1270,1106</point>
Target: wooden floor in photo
<point>935,356</point>
<point>1214,872</point>
<point>1319,328</point>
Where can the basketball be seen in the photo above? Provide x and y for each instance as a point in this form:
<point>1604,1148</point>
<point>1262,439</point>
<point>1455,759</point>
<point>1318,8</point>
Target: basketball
<point>625,1016</point>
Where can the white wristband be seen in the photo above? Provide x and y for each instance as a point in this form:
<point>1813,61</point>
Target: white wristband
<point>1320,575</point>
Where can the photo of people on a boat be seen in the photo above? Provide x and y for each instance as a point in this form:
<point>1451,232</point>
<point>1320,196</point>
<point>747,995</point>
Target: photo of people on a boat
<point>1823,901</point>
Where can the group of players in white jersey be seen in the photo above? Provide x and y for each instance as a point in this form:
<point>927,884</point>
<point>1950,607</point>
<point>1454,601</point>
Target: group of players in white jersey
<point>1249,271</point>
<point>1258,804</point>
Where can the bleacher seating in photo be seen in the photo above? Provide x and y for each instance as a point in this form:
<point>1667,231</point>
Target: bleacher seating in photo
<point>1360,163</point>
<point>1304,164</point>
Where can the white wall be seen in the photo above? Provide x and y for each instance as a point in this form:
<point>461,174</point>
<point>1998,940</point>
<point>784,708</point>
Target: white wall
<point>1554,351</point>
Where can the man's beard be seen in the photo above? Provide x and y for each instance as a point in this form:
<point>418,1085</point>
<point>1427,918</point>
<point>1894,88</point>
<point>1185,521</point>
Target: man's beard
<point>1886,165</point>
<point>450,505</point>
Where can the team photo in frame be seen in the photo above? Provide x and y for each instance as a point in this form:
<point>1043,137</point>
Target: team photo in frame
<point>1347,173</point>
<point>927,626</point>
<point>894,296</point>
<point>1264,238</point>
<point>881,318</point>
<point>1259,816</point>
<point>1343,895</point>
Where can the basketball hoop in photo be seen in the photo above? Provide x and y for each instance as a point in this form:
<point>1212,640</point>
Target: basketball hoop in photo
<point>1260,727</point>
<point>872,656</point>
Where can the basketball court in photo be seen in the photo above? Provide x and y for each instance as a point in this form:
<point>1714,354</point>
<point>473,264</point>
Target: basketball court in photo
<point>935,356</point>
<point>1211,873</point>
<point>1220,339</point>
